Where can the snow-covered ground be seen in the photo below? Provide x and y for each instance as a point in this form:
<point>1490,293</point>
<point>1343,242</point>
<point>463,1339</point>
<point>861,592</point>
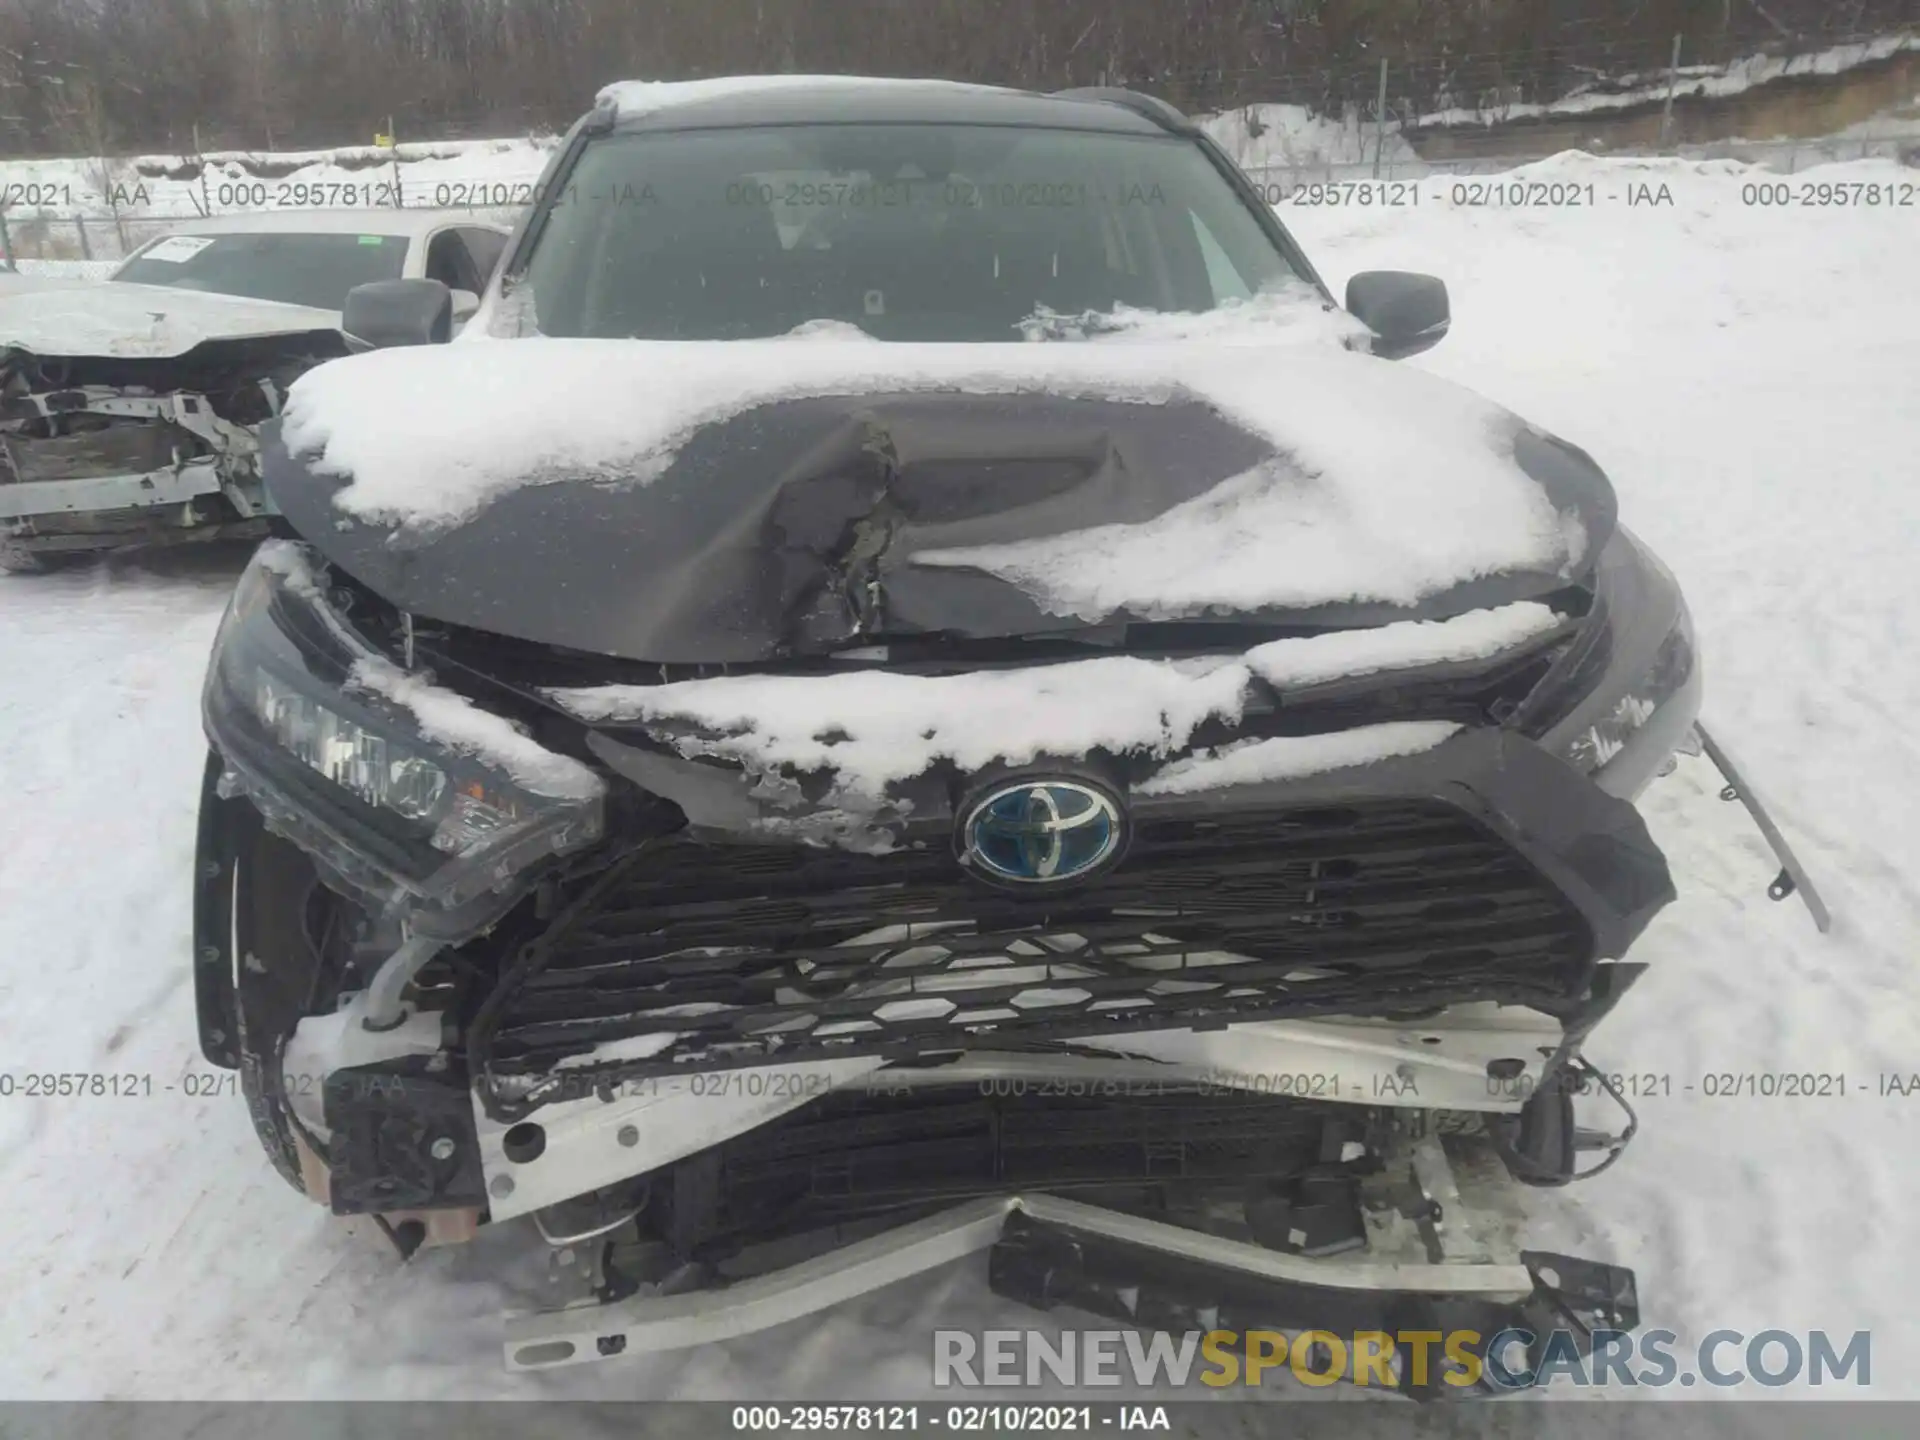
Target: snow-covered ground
<point>1745,373</point>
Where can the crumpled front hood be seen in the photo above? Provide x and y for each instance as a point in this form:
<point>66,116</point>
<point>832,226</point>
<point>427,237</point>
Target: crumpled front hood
<point>1071,495</point>
<point>117,320</point>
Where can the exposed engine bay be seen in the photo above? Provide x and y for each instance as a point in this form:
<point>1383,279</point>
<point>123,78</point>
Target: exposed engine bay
<point>100,452</point>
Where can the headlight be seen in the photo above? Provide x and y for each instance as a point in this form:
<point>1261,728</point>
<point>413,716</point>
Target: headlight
<point>379,770</point>
<point>1605,737</point>
<point>392,782</point>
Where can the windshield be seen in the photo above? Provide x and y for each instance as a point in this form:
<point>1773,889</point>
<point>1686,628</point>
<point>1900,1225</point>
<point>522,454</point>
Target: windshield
<point>297,269</point>
<point>910,232</point>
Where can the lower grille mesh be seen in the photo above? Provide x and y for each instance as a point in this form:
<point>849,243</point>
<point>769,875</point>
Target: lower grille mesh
<point>716,956</point>
<point>851,1156</point>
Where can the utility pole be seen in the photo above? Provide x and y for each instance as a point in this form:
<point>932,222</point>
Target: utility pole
<point>1673,82</point>
<point>1380,119</point>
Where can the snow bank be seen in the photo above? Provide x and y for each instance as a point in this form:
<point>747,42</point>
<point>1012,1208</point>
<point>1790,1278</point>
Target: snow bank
<point>1396,486</point>
<point>1699,82</point>
<point>876,728</point>
<point>458,723</point>
<point>1292,137</point>
<point>67,269</point>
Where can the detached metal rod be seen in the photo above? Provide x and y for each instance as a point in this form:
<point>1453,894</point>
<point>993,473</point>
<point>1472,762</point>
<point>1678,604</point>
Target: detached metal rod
<point>1793,878</point>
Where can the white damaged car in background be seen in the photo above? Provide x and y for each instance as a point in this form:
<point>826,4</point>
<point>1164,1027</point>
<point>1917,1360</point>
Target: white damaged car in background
<point>128,409</point>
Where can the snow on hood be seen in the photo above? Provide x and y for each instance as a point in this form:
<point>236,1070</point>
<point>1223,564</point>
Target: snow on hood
<point>443,715</point>
<point>1293,313</point>
<point>1294,757</point>
<point>127,321</point>
<point>873,729</point>
<point>1262,540</point>
<point>456,722</point>
<point>1389,484</point>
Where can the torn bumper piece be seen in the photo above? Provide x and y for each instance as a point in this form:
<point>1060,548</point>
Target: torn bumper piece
<point>1047,1250</point>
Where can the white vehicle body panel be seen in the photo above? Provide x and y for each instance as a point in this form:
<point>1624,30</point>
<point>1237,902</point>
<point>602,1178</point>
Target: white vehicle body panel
<point>1436,1064</point>
<point>126,321</point>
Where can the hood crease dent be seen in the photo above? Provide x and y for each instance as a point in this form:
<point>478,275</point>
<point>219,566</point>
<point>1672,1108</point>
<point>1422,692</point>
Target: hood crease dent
<point>743,501</point>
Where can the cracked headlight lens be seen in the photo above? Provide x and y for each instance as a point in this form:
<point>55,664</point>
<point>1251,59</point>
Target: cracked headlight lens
<point>321,732</point>
<point>1607,736</point>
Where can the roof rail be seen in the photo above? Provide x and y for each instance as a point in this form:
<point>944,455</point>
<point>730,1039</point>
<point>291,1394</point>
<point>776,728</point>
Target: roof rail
<point>1151,106</point>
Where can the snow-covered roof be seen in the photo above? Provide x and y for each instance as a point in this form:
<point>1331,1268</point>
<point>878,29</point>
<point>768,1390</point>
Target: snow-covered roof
<point>633,98</point>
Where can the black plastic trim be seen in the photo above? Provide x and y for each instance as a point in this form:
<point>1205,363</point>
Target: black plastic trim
<point>216,1005</point>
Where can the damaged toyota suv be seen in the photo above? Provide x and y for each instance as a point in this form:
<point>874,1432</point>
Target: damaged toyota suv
<point>912,684</point>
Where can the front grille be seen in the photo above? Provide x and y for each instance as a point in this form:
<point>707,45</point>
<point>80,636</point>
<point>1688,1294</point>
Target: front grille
<point>710,957</point>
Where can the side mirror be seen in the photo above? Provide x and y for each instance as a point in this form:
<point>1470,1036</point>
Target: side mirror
<point>1407,313</point>
<point>399,312</point>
